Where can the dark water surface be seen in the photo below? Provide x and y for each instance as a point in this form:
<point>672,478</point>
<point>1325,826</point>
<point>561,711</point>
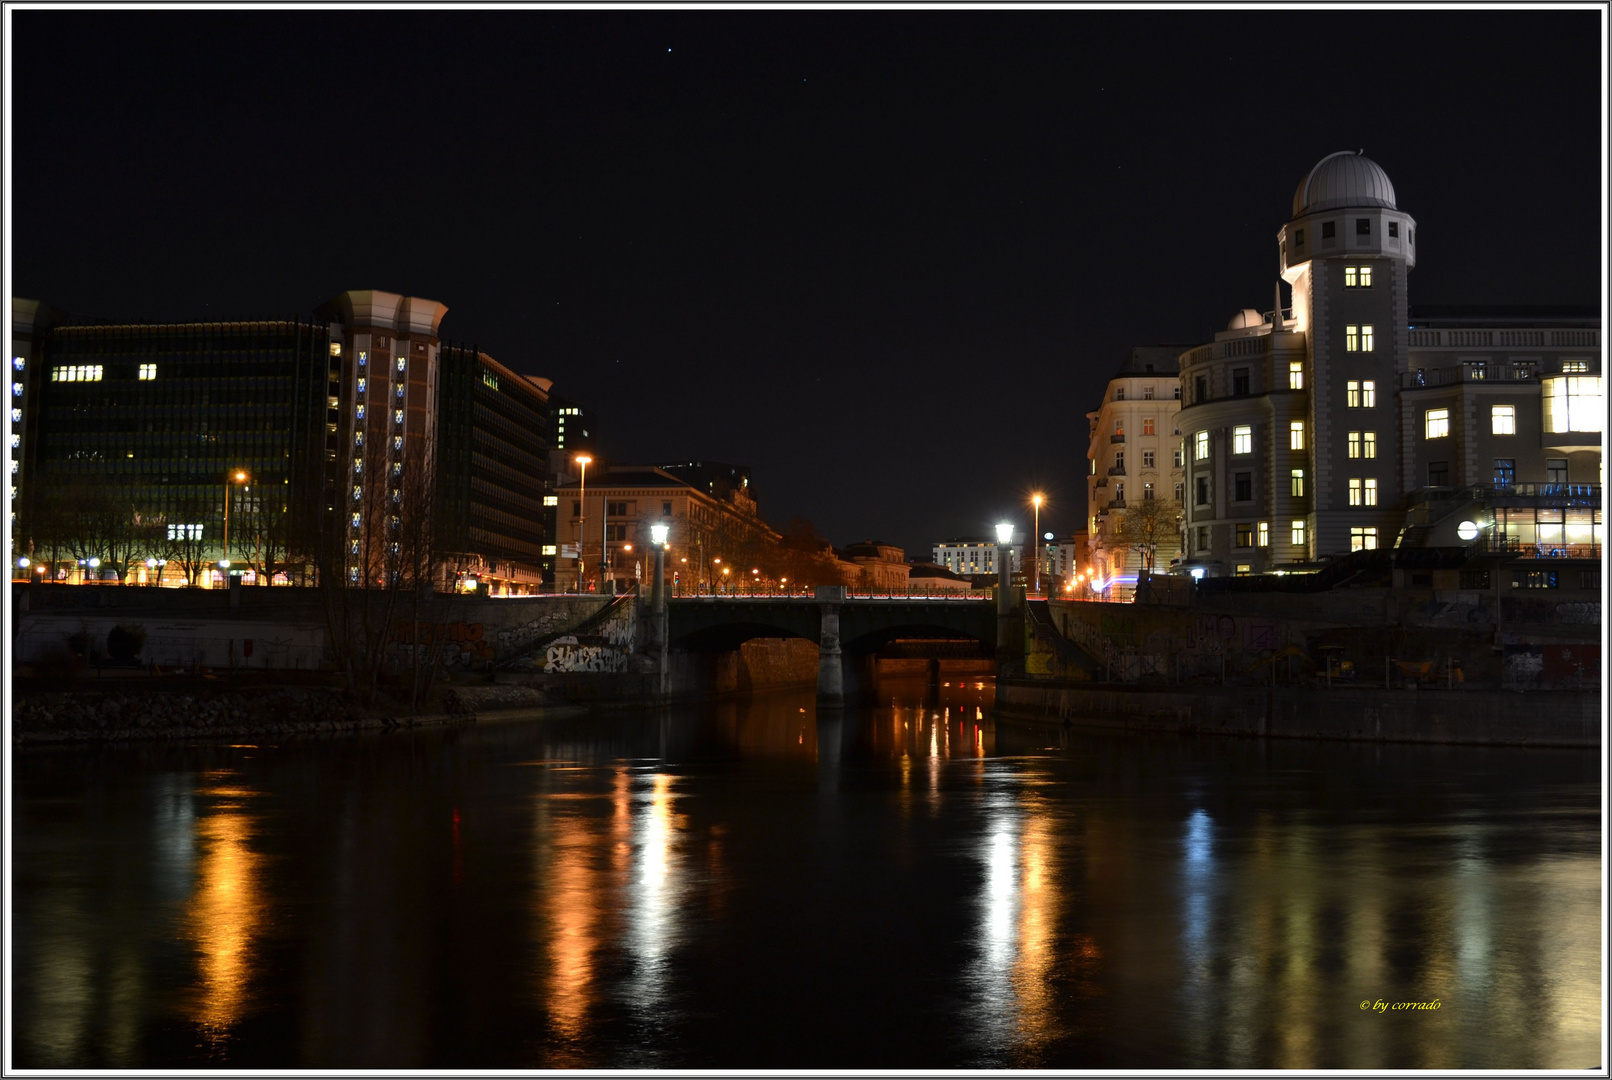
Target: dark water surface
<point>747,886</point>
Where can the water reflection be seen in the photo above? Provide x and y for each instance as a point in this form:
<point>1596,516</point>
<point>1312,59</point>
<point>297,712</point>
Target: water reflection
<point>226,910</point>
<point>561,895</point>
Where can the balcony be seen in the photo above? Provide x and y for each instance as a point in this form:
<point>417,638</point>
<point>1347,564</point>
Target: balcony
<point>1116,438</point>
<point>1117,470</point>
<point>1517,549</point>
<point>1115,504</point>
<point>1548,495</point>
<point>1490,371</point>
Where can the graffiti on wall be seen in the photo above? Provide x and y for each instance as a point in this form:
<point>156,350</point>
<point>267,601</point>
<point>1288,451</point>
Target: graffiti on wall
<point>463,646</point>
<point>608,649</point>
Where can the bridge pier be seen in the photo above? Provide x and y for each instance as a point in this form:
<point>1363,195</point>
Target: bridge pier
<point>830,672</point>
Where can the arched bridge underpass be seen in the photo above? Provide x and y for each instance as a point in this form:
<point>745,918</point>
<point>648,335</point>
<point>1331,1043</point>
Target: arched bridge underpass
<point>845,630</point>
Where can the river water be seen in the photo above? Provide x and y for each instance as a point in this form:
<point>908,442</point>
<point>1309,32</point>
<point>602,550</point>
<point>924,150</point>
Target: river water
<point>745,885</point>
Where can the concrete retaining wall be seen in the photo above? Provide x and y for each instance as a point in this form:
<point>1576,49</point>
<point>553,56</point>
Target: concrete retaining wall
<point>1543,718</point>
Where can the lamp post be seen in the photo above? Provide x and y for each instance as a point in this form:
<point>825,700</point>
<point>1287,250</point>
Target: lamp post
<point>657,536</point>
<point>582,512</point>
<point>1004,594</point>
<point>1036,501</point>
<point>229,485</point>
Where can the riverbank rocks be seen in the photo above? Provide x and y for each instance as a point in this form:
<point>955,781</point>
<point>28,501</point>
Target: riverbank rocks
<point>89,715</point>
<point>471,699</point>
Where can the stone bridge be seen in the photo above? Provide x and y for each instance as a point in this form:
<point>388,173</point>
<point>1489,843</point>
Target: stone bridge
<point>848,631</point>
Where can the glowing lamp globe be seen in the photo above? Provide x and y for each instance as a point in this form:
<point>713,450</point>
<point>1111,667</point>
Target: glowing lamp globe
<point>1004,533</point>
<point>658,531</point>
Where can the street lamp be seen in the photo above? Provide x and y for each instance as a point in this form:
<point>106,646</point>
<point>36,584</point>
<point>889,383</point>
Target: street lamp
<point>1036,501</point>
<point>582,512</point>
<point>234,478</point>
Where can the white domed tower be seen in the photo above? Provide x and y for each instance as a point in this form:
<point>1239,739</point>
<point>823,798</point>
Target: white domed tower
<point>1346,253</point>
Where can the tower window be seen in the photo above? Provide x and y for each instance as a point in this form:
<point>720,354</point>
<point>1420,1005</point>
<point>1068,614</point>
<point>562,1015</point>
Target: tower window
<point>1360,394</point>
<point>1242,439</point>
<point>1329,229</point>
<point>1297,477</point>
<point>1295,435</point>
<point>1503,419</point>
<point>1264,534</point>
<point>1298,237</point>
<point>1200,447</point>
<point>1437,423</point>
<point>1363,538</point>
<point>1295,374</point>
<point>1296,534</point>
<point>1393,228</point>
<point>1239,382</point>
<point>1147,393</point>
<point>1363,226</point>
<point>1357,277</point>
<point>1203,491</point>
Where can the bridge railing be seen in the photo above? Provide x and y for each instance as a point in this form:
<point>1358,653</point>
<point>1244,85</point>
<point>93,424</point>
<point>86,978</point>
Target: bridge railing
<point>763,592</point>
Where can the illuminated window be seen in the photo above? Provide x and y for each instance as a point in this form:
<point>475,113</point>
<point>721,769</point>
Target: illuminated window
<point>551,500</point>
<point>184,532</point>
<point>148,371</point>
<point>1200,451</point>
<point>1147,426</point>
<point>358,464</point>
<point>1295,374</point>
<point>1503,420</point>
<point>1295,435</point>
<point>1573,403</point>
<point>1570,366</point>
<point>397,416</point>
<point>1245,535</point>
<point>353,547</point>
<point>1296,534</point>
<point>399,390</point>
<point>1351,338</point>
<point>363,358</point>
<point>1437,423</point>
<point>1371,491</point>
<point>1244,569</point>
<point>397,442</point>
<point>1354,491</point>
<point>73,373</point>
<point>16,440</point>
<point>335,348</point>
<point>358,491</point>
<point>1354,444</point>
<point>1119,427</point>
<point>1242,439</point>
<point>1369,443</point>
<point>361,412</point>
<point>549,549</point>
<point>397,468</point>
<point>1264,534</point>
<point>1360,395</point>
<point>1366,339</point>
<point>18,362</point>
<point>355,519</point>
<point>16,418</point>
<point>358,438</point>
<point>1147,491</point>
<point>361,384</point>
<point>1357,277</point>
<point>1363,538</point>
<point>16,389</point>
<point>1297,481</point>
<point>402,363</point>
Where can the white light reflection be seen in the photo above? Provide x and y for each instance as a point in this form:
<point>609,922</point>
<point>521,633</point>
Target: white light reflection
<point>653,927</point>
<point>1197,882</point>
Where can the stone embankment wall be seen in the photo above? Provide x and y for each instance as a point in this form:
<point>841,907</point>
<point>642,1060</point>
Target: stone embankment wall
<point>270,628</point>
<point>1538,718</point>
<point>159,713</point>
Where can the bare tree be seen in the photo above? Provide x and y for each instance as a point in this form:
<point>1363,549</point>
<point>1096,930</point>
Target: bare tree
<point>1146,524</point>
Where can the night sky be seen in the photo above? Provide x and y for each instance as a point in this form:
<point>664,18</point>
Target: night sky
<point>887,259</point>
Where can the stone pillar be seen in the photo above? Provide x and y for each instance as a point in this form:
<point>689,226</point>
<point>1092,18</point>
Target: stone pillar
<point>657,605</point>
<point>830,676</point>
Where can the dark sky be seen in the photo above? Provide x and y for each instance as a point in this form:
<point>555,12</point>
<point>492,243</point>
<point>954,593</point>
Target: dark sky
<point>887,259</point>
